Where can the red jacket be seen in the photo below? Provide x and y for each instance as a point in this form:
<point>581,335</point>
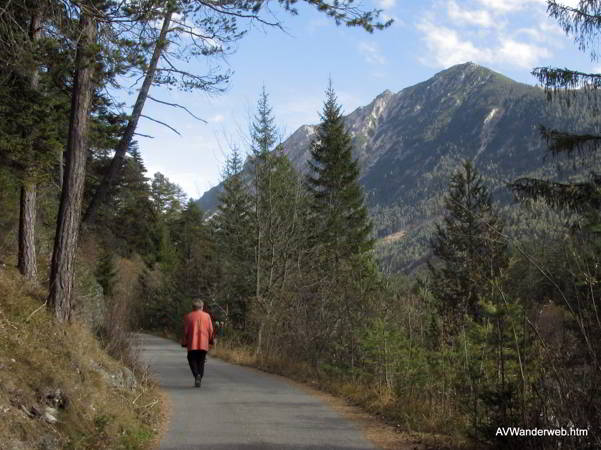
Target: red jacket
<point>198,330</point>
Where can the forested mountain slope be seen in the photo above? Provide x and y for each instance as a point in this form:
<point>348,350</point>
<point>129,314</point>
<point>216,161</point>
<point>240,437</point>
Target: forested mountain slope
<point>408,143</point>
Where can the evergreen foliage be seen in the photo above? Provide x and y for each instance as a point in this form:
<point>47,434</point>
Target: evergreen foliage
<point>263,131</point>
<point>106,272</point>
<point>565,87</point>
<point>338,242</point>
<point>488,341</point>
<point>340,217</point>
<point>235,242</point>
<point>469,245</point>
<point>134,220</point>
<point>278,200</point>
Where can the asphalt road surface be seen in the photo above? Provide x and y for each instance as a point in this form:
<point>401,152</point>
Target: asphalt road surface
<point>240,408</point>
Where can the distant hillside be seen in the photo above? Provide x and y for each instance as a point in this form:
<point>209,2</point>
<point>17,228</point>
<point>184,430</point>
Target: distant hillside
<point>408,143</point>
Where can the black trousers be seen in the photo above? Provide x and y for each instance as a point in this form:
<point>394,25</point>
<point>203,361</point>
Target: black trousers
<point>196,359</point>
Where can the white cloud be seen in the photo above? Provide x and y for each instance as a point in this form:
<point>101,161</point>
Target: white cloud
<point>533,33</point>
<point>447,47</point>
<point>217,118</point>
<point>505,6</point>
<point>515,33</point>
<point>509,5</point>
<point>371,53</point>
<point>522,54</point>
<point>479,17</point>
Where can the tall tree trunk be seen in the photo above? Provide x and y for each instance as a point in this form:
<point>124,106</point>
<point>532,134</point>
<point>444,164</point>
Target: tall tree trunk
<point>69,215</point>
<point>117,162</point>
<point>27,262</point>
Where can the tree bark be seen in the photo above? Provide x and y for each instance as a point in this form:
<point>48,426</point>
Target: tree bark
<point>27,257</point>
<point>69,215</point>
<point>27,262</point>
<point>117,162</point>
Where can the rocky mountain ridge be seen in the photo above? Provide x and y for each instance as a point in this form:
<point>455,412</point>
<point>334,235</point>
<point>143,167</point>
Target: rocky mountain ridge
<point>409,143</point>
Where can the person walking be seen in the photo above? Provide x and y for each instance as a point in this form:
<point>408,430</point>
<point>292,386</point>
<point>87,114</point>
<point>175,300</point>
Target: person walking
<point>198,337</point>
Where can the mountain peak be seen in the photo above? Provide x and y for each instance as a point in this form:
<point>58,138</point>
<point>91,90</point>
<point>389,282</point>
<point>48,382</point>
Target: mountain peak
<point>384,94</point>
<point>461,70</point>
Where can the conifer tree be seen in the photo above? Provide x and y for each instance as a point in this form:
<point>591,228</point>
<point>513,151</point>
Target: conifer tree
<point>263,138</point>
<point>30,126</point>
<point>67,229</point>
<point>339,240</point>
<point>342,227</point>
<point>196,274</point>
<point>263,131</point>
<point>134,220</point>
<point>277,202</point>
<point>467,245</point>
<point>233,229</point>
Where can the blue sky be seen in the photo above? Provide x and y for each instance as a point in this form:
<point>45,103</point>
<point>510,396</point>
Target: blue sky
<point>509,36</point>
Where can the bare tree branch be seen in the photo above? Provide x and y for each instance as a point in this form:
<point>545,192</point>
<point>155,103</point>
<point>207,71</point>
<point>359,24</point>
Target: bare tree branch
<point>176,105</point>
<point>162,123</point>
<point>144,135</point>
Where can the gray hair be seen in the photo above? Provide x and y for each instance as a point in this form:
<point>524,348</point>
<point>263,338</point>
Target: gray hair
<point>198,303</point>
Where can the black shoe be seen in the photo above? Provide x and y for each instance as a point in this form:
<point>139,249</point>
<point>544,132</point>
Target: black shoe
<point>197,381</point>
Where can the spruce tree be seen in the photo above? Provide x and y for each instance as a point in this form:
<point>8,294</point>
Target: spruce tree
<point>468,246</point>
<point>134,220</point>
<point>233,224</point>
<point>197,270</point>
<point>263,138</point>
<point>263,131</point>
<point>341,224</point>
<point>277,196</point>
<point>339,241</point>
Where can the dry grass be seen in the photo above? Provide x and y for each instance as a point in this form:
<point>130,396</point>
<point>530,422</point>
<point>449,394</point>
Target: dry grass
<point>375,410</point>
<point>39,357</point>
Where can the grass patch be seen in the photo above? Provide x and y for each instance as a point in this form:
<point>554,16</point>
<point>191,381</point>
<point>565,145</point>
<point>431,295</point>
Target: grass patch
<point>59,388</point>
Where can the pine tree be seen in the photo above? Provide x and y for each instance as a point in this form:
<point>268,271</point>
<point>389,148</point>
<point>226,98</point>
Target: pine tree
<point>29,123</point>
<point>67,229</point>
<point>134,220</point>
<point>196,274</point>
<point>340,217</point>
<point>277,199</point>
<point>263,138</point>
<point>468,246</point>
<point>342,270</point>
<point>233,230</point>
<point>263,131</point>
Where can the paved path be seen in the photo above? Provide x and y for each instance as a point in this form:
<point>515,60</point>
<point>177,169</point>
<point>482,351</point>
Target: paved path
<point>241,409</point>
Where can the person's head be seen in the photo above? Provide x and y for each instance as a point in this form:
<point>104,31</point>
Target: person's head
<point>198,304</point>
